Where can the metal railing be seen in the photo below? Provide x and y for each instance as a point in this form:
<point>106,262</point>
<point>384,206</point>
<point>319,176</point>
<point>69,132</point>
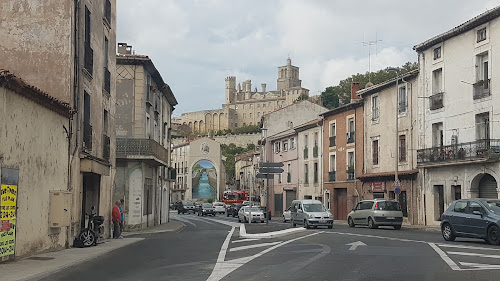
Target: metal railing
<point>106,147</point>
<point>332,141</point>
<point>481,89</point>
<point>351,137</point>
<point>140,147</point>
<point>88,59</point>
<point>107,80</point>
<point>332,176</point>
<point>87,135</point>
<point>436,101</point>
<point>480,149</point>
<point>315,151</point>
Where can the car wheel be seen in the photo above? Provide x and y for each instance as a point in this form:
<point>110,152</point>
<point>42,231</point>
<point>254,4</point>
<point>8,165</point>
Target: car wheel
<point>397,227</point>
<point>494,235</point>
<point>306,224</point>
<point>198,214</point>
<point>447,232</point>
<point>350,221</point>
<point>239,220</point>
<point>284,220</point>
<point>292,223</point>
<point>371,224</point>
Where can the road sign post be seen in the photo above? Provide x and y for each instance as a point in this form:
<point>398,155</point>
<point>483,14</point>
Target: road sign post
<point>267,171</point>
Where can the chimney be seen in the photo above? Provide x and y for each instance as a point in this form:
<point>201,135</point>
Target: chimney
<point>263,87</point>
<point>124,49</point>
<point>354,90</point>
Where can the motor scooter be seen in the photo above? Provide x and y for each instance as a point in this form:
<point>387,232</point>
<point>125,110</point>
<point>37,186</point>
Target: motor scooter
<point>92,232</point>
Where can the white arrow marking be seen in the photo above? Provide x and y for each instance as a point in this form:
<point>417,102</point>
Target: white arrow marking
<point>354,245</point>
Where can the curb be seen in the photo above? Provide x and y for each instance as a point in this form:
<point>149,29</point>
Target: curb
<point>279,233</point>
<point>177,229</point>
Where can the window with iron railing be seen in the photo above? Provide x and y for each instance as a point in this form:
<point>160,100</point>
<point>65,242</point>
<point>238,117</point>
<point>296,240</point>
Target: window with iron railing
<point>332,176</point>
<point>436,101</point>
<point>481,89</point>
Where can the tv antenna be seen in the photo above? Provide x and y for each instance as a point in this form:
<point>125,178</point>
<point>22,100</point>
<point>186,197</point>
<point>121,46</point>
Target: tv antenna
<point>369,44</point>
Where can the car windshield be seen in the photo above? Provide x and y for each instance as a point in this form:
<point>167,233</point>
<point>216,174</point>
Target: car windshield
<point>253,209</point>
<point>388,206</point>
<point>207,205</point>
<point>218,204</point>
<point>187,203</point>
<point>313,208</point>
<point>493,205</point>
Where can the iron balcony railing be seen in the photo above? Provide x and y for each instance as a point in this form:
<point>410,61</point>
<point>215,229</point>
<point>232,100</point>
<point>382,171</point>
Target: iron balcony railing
<point>332,176</point>
<point>88,59</point>
<point>436,101</point>
<point>350,174</point>
<point>87,135</point>
<point>140,147</point>
<point>481,89</point>
<point>332,141</point>
<point>315,151</point>
<point>306,152</point>
<point>107,80</point>
<point>106,147</point>
<point>480,149</point>
<point>351,137</point>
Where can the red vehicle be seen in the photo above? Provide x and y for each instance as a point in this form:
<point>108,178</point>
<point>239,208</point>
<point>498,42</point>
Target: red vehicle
<point>239,196</point>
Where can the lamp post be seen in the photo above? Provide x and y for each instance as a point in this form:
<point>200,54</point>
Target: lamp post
<point>396,180</point>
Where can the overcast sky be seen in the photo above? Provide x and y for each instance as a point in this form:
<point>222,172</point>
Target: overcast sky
<point>195,44</point>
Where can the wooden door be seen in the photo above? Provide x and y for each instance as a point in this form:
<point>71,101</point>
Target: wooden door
<point>340,195</point>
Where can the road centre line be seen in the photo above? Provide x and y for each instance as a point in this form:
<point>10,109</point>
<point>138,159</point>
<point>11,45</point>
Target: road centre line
<point>253,246</point>
<point>474,255</point>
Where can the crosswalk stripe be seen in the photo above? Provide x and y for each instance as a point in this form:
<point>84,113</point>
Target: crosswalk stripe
<point>480,265</point>
<point>467,247</point>
<point>245,240</point>
<point>254,246</point>
<point>474,255</point>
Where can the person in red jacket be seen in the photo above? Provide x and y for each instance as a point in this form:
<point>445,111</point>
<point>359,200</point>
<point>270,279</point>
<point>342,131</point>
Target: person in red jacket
<point>116,220</point>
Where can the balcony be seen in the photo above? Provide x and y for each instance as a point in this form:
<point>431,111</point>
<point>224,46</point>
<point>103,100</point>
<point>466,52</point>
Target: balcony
<point>486,150</point>
<point>88,59</point>
<point>481,89</point>
<point>436,101</point>
<point>315,151</point>
<point>351,137</point>
<point>147,150</point>
<point>106,147</point>
<point>306,152</point>
<point>107,80</point>
<point>350,174</point>
<point>87,135</point>
<point>332,176</point>
<point>332,141</point>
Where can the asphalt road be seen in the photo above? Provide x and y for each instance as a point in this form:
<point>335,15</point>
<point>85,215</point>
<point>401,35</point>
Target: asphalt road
<point>209,250</point>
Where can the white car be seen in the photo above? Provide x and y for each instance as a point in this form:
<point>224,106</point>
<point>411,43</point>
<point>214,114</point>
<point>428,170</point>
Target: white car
<point>287,214</point>
<point>245,212</point>
<point>219,207</point>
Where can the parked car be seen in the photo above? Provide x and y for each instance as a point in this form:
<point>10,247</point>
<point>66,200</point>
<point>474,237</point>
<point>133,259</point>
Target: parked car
<point>250,214</point>
<point>219,207</point>
<point>375,213</point>
<point>263,209</point>
<point>287,214</point>
<point>310,213</point>
<point>233,209</point>
<point>185,207</point>
<point>206,209</point>
<point>473,218</point>
<point>197,206</point>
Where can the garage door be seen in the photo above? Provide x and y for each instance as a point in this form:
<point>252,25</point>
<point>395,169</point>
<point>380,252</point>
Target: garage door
<point>488,187</point>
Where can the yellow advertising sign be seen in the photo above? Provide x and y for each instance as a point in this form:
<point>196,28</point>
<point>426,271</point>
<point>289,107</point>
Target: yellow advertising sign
<point>8,200</point>
<point>8,240</point>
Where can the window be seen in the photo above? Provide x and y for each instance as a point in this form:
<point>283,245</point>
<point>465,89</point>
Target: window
<point>402,148</point>
<point>306,173</point>
<point>107,11</point>
<point>289,173</point>
<point>292,143</point>
<point>243,106</point>
<point>264,105</point>
<point>481,34</point>
<point>437,134</point>
<point>88,58</point>
<point>244,115</point>
<point>482,67</point>
<point>437,52</point>
<point>258,105</point>
<point>258,114</point>
<point>473,206</point>
<point>375,152</point>
<point>251,115</point>
<point>315,139</point>
<point>333,133</point>
<point>251,105</point>
<point>460,207</point>
<point>87,128</point>
<point>332,163</point>
<point>350,132</point>
<point>315,172</point>
<point>306,141</point>
<point>285,145</point>
<point>483,126</point>
<point>375,108</point>
<point>402,100</point>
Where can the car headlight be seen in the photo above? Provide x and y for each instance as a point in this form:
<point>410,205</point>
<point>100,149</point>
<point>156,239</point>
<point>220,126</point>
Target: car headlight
<point>311,216</point>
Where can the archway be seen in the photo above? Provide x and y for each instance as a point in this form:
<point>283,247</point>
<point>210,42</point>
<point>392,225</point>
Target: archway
<point>484,186</point>
<point>215,117</point>
<point>196,126</point>
<point>202,126</point>
<point>204,180</point>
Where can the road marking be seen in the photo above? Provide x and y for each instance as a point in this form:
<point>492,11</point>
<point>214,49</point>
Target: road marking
<point>354,245</point>
<point>253,246</point>
<point>245,240</point>
<point>474,255</point>
<point>444,257</point>
<point>480,265</point>
<point>467,247</point>
<point>185,220</point>
<point>375,236</point>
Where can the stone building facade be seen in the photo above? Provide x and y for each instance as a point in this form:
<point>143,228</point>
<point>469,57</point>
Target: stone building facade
<point>244,106</point>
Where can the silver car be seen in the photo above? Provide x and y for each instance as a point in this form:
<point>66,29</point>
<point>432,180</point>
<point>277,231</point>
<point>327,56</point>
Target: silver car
<point>375,213</point>
<point>287,214</point>
<point>310,213</point>
<point>250,214</point>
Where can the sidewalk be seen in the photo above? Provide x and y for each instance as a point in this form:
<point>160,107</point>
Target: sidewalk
<point>44,264</point>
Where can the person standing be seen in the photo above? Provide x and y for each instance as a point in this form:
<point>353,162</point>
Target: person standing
<point>116,217</point>
<point>122,216</point>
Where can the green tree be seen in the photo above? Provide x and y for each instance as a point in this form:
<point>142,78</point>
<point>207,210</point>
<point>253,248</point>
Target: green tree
<point>303,96</point>
<point>229,151</point>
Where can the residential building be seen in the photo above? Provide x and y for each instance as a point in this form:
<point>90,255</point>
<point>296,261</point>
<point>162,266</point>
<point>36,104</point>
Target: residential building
<point>459,134</point>
<point>310,160</point>
<point>245,106</point>
<point>384,149</point>
<point>279,137</point>
<point>180,155</point>
<point>67,49</point>
<point>143,124</point>
<point>343,155</point>
<point>246,167</point>
<point>32,177</point>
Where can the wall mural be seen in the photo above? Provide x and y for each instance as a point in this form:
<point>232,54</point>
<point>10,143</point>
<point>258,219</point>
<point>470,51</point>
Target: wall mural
<point>204,180</point>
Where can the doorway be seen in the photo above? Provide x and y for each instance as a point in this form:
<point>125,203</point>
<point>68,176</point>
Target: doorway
<point>488,187</point>
<point>438,202</point>
<point>340,199</point>
<point>90,195</point>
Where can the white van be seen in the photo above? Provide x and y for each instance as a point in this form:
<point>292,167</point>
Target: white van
<point>310,213</point>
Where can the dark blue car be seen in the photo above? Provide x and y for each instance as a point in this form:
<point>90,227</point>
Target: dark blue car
<point>473,218</point>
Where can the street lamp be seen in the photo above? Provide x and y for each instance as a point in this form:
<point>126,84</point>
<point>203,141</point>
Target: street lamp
<point>396,70</point>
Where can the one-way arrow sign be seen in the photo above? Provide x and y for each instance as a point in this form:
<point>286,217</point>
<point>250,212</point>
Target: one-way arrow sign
<point>270,170</point>
<point>265,176</point>
<point>354,245</point>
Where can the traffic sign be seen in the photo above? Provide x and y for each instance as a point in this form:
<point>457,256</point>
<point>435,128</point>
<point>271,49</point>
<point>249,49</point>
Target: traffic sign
<point>270,165</point>
<point>265,176</point>
<point>270,170</point>
<point>397,183</point>
<point>397,190</point>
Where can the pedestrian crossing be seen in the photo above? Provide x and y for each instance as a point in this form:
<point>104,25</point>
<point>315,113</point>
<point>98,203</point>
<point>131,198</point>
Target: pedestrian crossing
<point>466,257</point>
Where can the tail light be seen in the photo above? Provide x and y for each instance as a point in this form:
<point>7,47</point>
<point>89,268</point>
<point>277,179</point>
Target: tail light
<point>376,205</point>
<point>442,216</point>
